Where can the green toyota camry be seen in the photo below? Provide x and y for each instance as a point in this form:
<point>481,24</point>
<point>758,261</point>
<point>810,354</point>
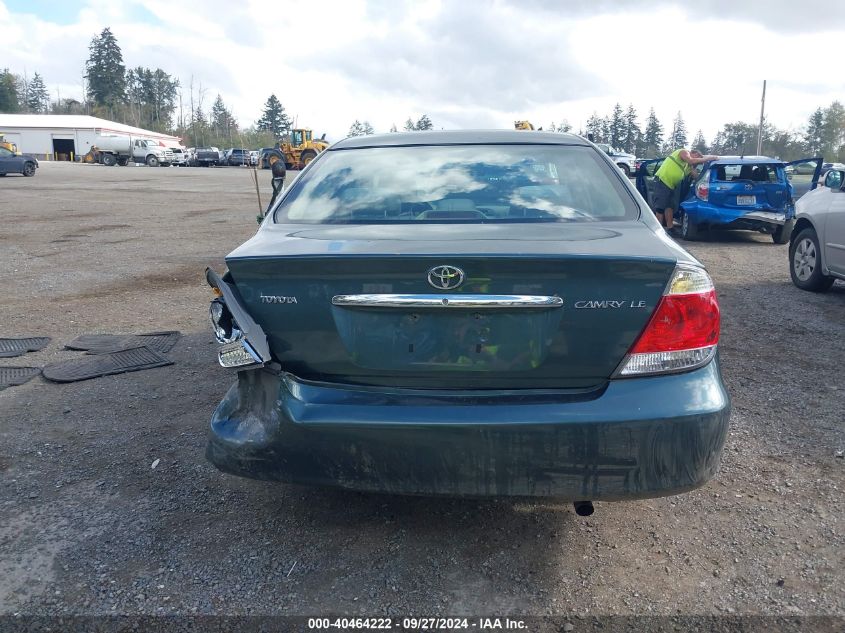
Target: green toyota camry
<point>468,313</point>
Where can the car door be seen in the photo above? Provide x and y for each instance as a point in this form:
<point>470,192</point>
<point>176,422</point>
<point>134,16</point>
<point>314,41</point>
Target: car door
<point>645,177</point>
<point>833,233</point>
<point>805,175</point>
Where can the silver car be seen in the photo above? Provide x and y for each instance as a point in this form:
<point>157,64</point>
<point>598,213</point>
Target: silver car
<point>817,245</point>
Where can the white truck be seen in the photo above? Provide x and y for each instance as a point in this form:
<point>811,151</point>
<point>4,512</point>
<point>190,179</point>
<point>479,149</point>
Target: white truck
<point>115,149</point>
<point>625,161</point>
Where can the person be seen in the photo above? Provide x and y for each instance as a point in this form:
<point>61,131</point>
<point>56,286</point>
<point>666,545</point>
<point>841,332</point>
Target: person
<point>668,178</point>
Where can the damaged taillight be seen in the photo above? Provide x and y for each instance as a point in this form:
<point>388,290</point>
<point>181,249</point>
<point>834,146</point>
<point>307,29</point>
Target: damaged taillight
<point>683,331</point>
<point>703,191</point>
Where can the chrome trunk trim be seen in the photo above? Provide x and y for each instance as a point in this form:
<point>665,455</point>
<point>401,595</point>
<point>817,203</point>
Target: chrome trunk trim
<point>456,301</point>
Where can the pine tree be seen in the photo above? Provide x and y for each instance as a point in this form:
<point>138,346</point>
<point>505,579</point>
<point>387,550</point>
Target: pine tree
<point>8,92</point>
<point>367,128</point>
<point>356,129</point>
<point>393,128</point>
<point>653,135</point>
<point>617,127</point>
<point>632,131</point>
<point>594,125</point>
<point>424,123</point>
<point>678,138</point>
<point>37,96</point>
<point>834,129</point>
<point>409,125</point>
<point>222,121</point>
<point>699,143</point>
<point>274,119</point>
<point>814,136</point>
<point>564,126</point>
<point>105,71</point>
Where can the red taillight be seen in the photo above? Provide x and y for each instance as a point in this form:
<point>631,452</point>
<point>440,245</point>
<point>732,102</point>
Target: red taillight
<point>681,322</point>
<point>683,331</point>
<point>703,191</point>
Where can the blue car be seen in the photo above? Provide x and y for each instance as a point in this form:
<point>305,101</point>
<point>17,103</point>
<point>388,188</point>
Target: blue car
<point>753,193</point>
<point>468,313</point>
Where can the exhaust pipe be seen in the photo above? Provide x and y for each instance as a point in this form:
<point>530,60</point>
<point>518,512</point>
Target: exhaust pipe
<point>583,508</point>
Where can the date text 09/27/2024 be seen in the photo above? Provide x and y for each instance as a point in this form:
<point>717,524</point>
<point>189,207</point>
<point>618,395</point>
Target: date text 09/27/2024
<point>417,624</point>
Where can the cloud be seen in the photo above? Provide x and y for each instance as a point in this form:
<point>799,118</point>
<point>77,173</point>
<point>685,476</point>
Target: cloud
<point>468,64</point>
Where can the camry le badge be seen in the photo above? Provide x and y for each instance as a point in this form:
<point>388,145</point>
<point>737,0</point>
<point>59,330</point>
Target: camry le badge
<point>445,277</point>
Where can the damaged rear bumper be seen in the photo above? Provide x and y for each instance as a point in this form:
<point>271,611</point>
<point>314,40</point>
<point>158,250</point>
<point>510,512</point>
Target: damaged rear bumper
<point>633,438</point>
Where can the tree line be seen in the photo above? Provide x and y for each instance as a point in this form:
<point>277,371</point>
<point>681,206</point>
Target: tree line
<point>153,99</point>
<point>824,135</point>
<point>148,98</point>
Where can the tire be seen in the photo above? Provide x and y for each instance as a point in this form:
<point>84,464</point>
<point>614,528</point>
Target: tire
<point>783,233</point>
<point>689,229</point>
<point>306,157</point>
<point>123,162</point>
<point>625,170</point>
<point>152,161</point>
<point>109,160</point>
<point>805,266</point>
<point>29,169</point>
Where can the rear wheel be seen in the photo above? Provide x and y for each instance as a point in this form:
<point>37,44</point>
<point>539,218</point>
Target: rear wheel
<point>625,169</point>
<point>123,162</point>
<point>29,169</point>
<point>689,229</point>
<point>152,161</point>
<point>109,160</point>
<point>307,156</point>
<point>782,233</point>
<point>805,263</point>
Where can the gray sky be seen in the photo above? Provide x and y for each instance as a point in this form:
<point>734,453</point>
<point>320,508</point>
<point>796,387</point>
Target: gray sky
<point>466,63</point>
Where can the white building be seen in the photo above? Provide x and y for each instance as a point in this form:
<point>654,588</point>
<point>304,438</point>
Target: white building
<point>66,136</point>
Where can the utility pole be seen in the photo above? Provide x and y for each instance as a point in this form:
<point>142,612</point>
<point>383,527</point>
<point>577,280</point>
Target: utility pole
<point>762,115</point>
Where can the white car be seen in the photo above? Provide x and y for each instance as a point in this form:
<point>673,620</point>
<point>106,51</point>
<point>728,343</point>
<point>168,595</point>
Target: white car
<point>625,161</point>
<point>817,245</point>
<point>180,156</point>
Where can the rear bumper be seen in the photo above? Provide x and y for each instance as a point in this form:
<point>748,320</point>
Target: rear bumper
<point>754,219</point>
<point>635,438</point>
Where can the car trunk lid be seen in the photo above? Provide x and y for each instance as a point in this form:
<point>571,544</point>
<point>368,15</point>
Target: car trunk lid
<point>543,306</point>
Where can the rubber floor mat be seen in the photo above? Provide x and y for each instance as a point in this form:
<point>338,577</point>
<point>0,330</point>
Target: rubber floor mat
<point>109,343</point>
<point>13,376</point>
<point>98,365</point>
<point>10,347</point>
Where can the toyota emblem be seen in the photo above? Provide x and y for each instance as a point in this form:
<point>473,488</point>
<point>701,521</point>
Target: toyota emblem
<point>445,277</point>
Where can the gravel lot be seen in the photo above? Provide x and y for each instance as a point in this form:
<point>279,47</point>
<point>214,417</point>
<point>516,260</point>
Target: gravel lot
<point>88,527</point>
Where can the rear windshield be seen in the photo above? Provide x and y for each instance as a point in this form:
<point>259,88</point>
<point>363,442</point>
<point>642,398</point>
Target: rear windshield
<point>463,183</point>
<point>755,173</point>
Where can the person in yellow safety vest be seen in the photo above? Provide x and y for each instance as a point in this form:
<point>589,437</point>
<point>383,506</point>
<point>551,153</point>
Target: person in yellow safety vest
<point>677,166</point>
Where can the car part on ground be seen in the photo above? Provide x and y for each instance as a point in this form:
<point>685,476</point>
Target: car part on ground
<point>389,337</point>
<point>14,376</point>
<point>817,243</point>
<point>11,347</point>
<point>94,366</point>
<point>161,342</point>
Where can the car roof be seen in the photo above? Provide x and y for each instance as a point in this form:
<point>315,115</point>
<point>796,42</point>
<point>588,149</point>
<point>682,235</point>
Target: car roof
<point>746,160</point>
<point>460,137</point>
